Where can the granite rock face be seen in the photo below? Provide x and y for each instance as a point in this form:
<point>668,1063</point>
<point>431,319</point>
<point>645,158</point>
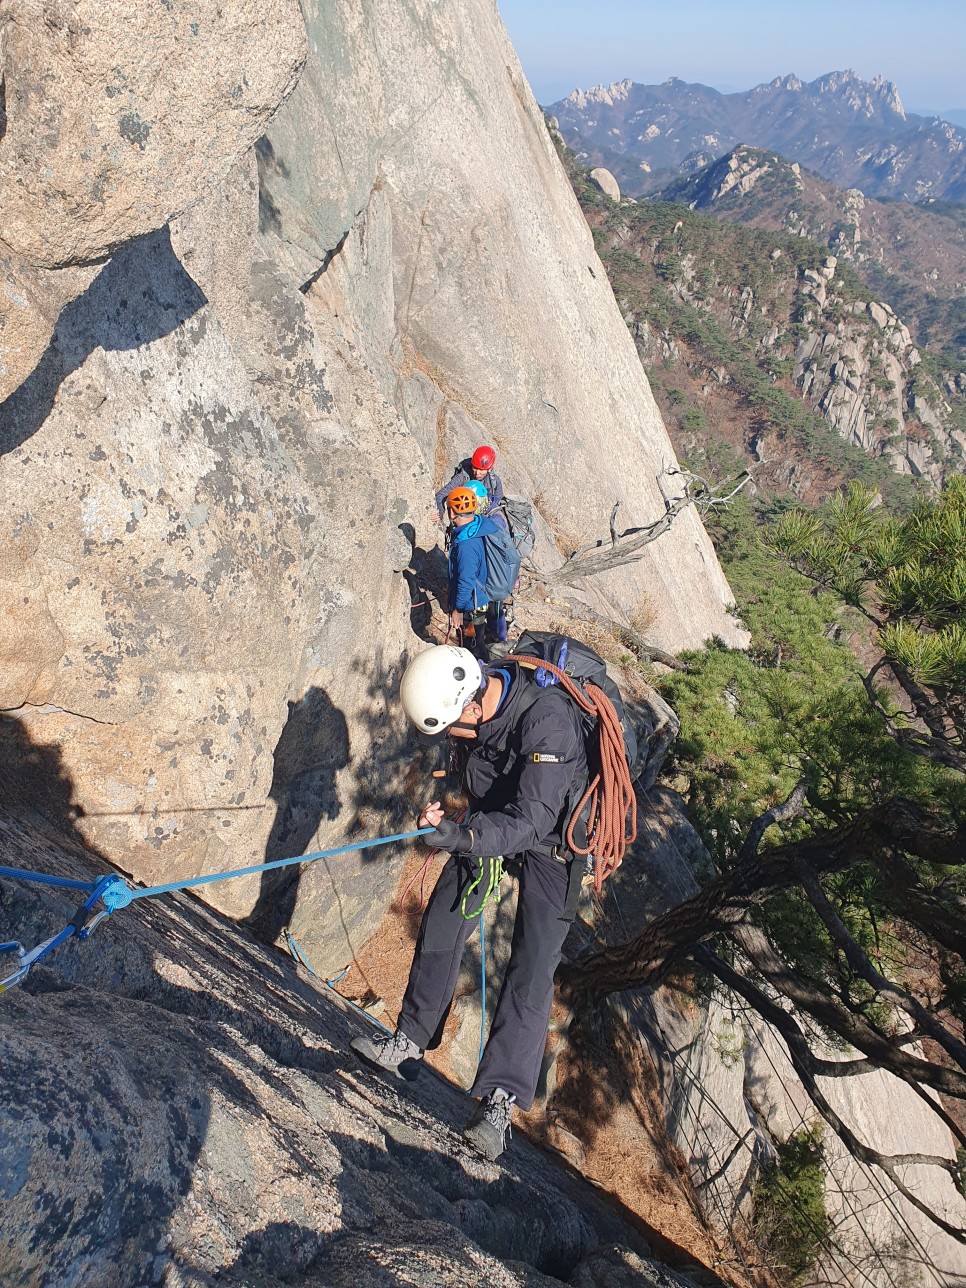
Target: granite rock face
<point>218,448</point>
<point>175,1114</point>
<point>116,120</point>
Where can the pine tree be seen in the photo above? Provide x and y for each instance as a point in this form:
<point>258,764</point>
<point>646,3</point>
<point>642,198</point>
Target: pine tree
<point>832,798</point>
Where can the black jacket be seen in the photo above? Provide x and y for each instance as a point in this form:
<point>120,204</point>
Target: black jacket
<point>526,771</point>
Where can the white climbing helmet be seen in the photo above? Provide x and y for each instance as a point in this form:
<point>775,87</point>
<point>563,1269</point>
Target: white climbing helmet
<point>436,686</point>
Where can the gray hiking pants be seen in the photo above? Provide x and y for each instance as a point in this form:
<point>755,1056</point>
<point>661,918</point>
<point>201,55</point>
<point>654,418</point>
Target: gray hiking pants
<point>514,1048</point>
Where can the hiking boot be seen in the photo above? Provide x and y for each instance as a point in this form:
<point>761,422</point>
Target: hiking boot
<point>489,1129</point>
<point>391,1052</point>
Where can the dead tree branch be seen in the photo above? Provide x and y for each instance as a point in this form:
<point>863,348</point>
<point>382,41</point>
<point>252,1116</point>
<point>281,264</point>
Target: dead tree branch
<point>629,546</point>
<point>642,649</point>
<point>804,1064</point>
<point>790,808</point>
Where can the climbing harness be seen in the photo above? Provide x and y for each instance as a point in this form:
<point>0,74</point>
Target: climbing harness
<point>114,892</point>
<point>491,871</point>
<point>609,803</point>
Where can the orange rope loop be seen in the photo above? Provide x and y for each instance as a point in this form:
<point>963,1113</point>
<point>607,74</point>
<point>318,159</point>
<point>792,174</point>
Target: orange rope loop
<point>612,816</point>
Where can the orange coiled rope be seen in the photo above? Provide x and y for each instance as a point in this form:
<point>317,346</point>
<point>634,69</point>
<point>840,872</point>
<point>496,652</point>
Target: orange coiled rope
<point>612,818</point>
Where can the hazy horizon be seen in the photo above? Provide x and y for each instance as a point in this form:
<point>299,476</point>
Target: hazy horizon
<point>572,46</point>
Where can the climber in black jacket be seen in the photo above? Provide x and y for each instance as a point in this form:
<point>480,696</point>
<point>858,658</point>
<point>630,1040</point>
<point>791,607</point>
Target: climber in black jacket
<point>524,770</point>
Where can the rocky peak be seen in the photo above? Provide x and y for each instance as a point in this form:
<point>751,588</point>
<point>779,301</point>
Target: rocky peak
<point>789,82</point>
<point>889,94</point>
<point>867,98</point>
<point>852,131</point>
<point>736,173</point>
<point>609,94</point>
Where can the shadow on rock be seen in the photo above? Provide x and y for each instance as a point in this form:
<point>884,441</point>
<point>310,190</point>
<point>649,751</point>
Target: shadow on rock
<point>427,578</point>
<point>313,747</point>
<point>100,1129</point>
<point>33,780</point>
<point>140,295</point>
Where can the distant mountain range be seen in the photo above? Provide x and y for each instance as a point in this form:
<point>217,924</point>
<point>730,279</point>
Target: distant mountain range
<point>854,132</point>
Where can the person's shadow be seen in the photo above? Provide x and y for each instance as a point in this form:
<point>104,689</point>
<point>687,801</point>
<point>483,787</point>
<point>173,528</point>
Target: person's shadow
<point>140,295</point>
<point>427,578</point>
<point>34,782</point>
<point>313,747</point>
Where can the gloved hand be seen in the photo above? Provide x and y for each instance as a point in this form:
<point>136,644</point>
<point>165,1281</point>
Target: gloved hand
<point>450,836</point>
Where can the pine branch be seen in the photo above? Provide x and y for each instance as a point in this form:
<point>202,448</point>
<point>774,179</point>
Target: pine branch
<point>863,967</point>
<point>724,902</point>
<point>838,1018</point>
<point>935,746</point>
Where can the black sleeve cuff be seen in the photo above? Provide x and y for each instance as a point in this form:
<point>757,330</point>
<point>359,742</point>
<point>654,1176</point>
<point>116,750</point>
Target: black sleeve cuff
<point>450,836</point>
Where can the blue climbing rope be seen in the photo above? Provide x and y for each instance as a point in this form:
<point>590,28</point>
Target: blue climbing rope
<point>482,986</point>
<point>121,897</point>
<point>113,892</point>
<point>42,878</point>
<point>84,920</point>
<point>300,959</point>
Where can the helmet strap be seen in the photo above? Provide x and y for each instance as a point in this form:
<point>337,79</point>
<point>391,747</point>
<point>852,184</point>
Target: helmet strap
<point>460,724</point>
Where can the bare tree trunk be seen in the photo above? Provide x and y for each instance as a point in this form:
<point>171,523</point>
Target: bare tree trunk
<point>629,546</point>
<point>724,902</point>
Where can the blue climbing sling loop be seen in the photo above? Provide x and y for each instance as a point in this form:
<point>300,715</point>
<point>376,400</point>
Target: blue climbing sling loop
<point>114,892</point>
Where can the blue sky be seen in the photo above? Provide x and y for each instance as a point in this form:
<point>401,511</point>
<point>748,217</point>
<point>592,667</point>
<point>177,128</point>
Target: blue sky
<point>734,44</point>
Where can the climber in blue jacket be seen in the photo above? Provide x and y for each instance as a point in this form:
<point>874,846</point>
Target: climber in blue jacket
<point>468,597</point>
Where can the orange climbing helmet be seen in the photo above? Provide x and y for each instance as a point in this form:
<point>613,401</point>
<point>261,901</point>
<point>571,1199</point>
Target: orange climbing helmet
<point>462,500</point>
<point>484,458</point>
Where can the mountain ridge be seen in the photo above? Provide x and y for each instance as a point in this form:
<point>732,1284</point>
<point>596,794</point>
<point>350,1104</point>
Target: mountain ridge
<point>855,132</point>
<point>763,350</point>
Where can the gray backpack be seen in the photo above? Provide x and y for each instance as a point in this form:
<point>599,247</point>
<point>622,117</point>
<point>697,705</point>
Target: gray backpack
<point>519,517</point>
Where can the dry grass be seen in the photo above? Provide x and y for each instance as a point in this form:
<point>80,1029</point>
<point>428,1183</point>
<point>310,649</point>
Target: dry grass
<point>643,617</point>
<point>566,538</point>
<point>594,636</point>
<point>609,1100</point>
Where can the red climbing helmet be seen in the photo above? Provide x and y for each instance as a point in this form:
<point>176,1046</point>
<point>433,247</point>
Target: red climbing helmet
<point>484,458</point>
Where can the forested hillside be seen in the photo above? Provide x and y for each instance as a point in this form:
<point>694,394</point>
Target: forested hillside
<point>912,257</point>
<point>765,350</point>
<point>823,767</point>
